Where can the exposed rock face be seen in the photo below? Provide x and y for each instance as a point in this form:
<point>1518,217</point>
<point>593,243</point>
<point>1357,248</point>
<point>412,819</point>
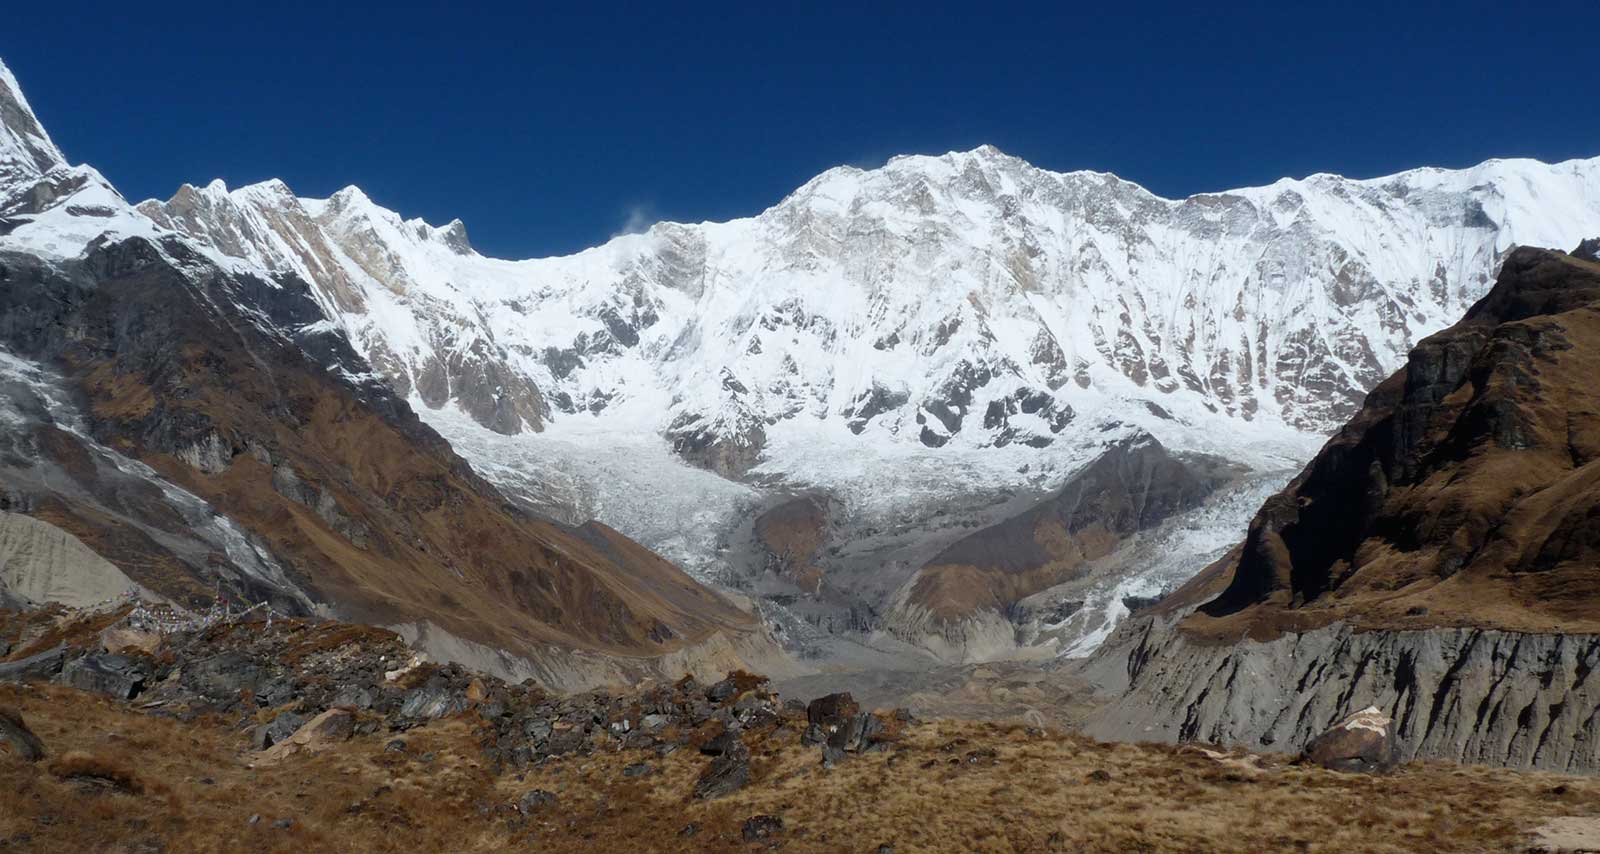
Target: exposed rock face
<point>1438,560</point>
<point>169,369</point>
<point>26,151</point>
<point>980,301</point>
<point>340,244</point>
<point>1467,695</point>
<point>730,455</point>
<point>965,594</point>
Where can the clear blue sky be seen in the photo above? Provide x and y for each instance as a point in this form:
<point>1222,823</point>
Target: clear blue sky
<point>548,130</point>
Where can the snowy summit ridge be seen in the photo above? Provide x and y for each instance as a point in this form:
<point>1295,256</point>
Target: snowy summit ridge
<point>969,298</point>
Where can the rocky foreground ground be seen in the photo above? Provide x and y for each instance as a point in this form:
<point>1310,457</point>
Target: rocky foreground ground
<point>291,735</point>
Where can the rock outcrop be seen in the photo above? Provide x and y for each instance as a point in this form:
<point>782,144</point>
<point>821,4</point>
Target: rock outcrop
<point>1466,695</point>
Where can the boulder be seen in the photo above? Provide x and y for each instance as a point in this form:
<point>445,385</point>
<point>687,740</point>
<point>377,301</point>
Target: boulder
<point>831,755</point>
<point>1362,742</point>
<point>428,703</point>
<point>846,734</point>
<point>868,729</point>
<point>281,727</point>
<point>116,676</point>
<point>565,741</point>
<point>16,739</point>
<point>225,676</point>
<point>323,732</point>
<point>353,697</point>
<point>831,711</point>
<point>34,668</point>
<point>722,691</point>
<point>725,775</point>
<point>537,729</point>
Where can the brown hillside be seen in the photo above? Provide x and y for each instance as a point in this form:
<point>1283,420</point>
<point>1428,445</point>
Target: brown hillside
<point>1466,492</point>
<point>1133,486</point>
<point>943,786</point>
<point>195,373</point>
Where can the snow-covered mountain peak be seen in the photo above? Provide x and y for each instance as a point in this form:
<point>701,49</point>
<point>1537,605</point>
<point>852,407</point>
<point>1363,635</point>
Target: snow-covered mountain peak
<point>47,206</point>
<point>968,299</point>
<point>26,150</point>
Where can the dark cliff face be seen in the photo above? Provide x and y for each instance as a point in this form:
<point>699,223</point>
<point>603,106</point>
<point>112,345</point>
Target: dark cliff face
<point>225,386</point>
<point>1465,492</point>
<point>1134,486</point>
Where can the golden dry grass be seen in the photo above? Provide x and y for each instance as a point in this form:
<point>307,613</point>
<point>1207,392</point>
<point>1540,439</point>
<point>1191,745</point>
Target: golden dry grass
<point>944,786</point>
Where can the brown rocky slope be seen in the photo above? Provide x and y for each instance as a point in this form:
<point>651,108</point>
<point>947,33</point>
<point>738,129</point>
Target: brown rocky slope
<point>1466,492</point>
<point>958,603</point>
<point>1439,559</point>
<point>307,736</point>
<point>203,375</point>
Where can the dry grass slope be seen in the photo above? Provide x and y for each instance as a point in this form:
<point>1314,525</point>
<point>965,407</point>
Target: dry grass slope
<point>944,786</point>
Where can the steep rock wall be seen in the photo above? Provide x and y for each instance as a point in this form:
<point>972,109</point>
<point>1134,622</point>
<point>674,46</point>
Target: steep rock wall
<point>1515,699</point>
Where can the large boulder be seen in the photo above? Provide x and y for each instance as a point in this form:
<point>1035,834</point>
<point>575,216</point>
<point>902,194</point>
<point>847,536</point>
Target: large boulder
<point>432,701</point>
<point>1362,742</point>
<point>282,727</point>
<point>118,676</point>
<point>831,711</point>
<point>323,732</point>
<point>125,638</point>
<point>16,739</point>
<point>725,775</point>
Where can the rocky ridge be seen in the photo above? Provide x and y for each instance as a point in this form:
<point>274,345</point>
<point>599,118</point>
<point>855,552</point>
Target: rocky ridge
<point>1436,561</point>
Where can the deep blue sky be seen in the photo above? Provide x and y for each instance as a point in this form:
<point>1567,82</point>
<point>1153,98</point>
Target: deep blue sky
<point>548,130</point>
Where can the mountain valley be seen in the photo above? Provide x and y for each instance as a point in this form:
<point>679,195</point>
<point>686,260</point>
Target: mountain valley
<point>1093,519</point>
